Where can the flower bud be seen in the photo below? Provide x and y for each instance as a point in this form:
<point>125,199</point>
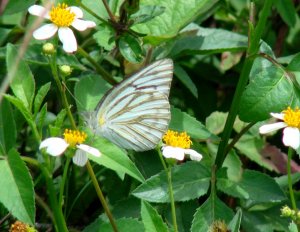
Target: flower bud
<point>65,70</point>
<point>48,49</point>
<point>287,212</point>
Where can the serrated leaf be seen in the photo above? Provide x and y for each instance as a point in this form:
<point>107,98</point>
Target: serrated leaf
<point>114,158</point>
<point>164,26</point>
<point>96,86</point>
<point>270,91</point>
<point>151,219</point>
<point>200,40</point>
<point>211,210</point>
<point>146,13</point>
<point>8,133</point>
<point>103,37</point>
<point>16,192</point>
<point>123,225</point>
<point>182,75</point>
<point>23,85</point>
<point>251,147</point>
<point>235,223</point>
<point>130,48</point>
<point>20,106</point>
<point>41,94</point>
<point>254,186</point>
<point>189,180</point>
<point>181,121</point>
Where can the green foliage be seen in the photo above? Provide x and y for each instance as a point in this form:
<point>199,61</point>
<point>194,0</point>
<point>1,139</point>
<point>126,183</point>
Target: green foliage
<point>16,192</point>
<point>231,58</point>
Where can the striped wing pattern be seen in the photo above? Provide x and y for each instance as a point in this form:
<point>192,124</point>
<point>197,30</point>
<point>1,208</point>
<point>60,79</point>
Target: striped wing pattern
<point>135,113</point>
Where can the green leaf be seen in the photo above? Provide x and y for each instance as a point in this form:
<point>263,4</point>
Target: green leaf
<point>130,48</point>
<point>103,37</point>
<point>41,94</point>
<point>16,192</point>
<point>151,219</point>
<point>251,147</point>
<point>200,40</point>
<point>114,158</point>
<point>123,225</point>
<point>23,85</point>
<point>182,75</point>
<point>181,121</point>
<point>56,130</point>
<point>211,210</point>
<point>146,13</point>
<point>20,105</point>
<point>18,6</point>
<point>235,223</point>
<point>41,116</point>
<point>96,86</point>
<point>269,91</point>
<point>8,133</point>
<point>287,11</point>
<point>190,180</point>
<point>215,122</point>
<point>178,14</point>
<point>254,186</point>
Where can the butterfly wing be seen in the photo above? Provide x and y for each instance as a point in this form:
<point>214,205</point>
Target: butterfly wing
<point>135,113</point>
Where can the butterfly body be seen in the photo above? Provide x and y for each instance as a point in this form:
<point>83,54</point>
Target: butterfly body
<point>135,113</point>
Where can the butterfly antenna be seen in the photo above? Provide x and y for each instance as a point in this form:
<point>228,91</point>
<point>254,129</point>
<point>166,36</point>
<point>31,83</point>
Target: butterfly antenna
<point>72,95</point>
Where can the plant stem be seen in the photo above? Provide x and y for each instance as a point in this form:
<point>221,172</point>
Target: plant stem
<point>97,67</point>
<point>63,181</point>
<point>112,17</point>
<point>91,12</point>
<point>243,80</point>
<point>171,194</point>
<point>101,196</point>
<point>288,167</point>
<point>60,223</point>
<point>61,91</point>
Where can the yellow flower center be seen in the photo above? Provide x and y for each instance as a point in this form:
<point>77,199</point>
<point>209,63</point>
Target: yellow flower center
<point>74,137</point>
<point>61,16</point>
<point>175,139</point>
<point>292,117</point>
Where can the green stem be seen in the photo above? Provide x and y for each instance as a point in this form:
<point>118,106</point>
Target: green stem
<point>243,80</point>
<point>97,67</point>
<point>60,223</point>
<point>61,91</point>
<point>288,167</point>
<point>171,194</point>
<point>101,196</point>
<point>63,182</point>
<point>111,15</point>
<point>43,204</point>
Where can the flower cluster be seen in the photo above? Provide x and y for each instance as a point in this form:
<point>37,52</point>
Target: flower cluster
<point>62,17</point>
<point>176,145</point>
<point>55,146</point>
<point>291,124</point>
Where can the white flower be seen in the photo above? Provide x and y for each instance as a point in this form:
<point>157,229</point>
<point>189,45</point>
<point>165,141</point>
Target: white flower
<point>62,17</point>
<point>177,145</point>
<point>291,125</point>
<point>55,146</point>
<point>179,153</point>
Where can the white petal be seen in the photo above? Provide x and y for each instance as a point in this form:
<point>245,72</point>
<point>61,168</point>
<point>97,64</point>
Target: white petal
<point>77,11</point>
<point>39,11</point>
<point>278,115</point>
<point>291,137</point>
<point>173,152</point>
<point>272,127</point>
<point>193,154</point>
<point>68,39</point>
<point>82,25</point>
<point>91,150</point>
<point>45,32</point>
<point>54,146</point>
<point>80,158</point>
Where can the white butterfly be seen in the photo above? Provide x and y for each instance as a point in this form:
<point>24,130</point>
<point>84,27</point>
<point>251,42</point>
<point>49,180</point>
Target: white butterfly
<point>135,113</point>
